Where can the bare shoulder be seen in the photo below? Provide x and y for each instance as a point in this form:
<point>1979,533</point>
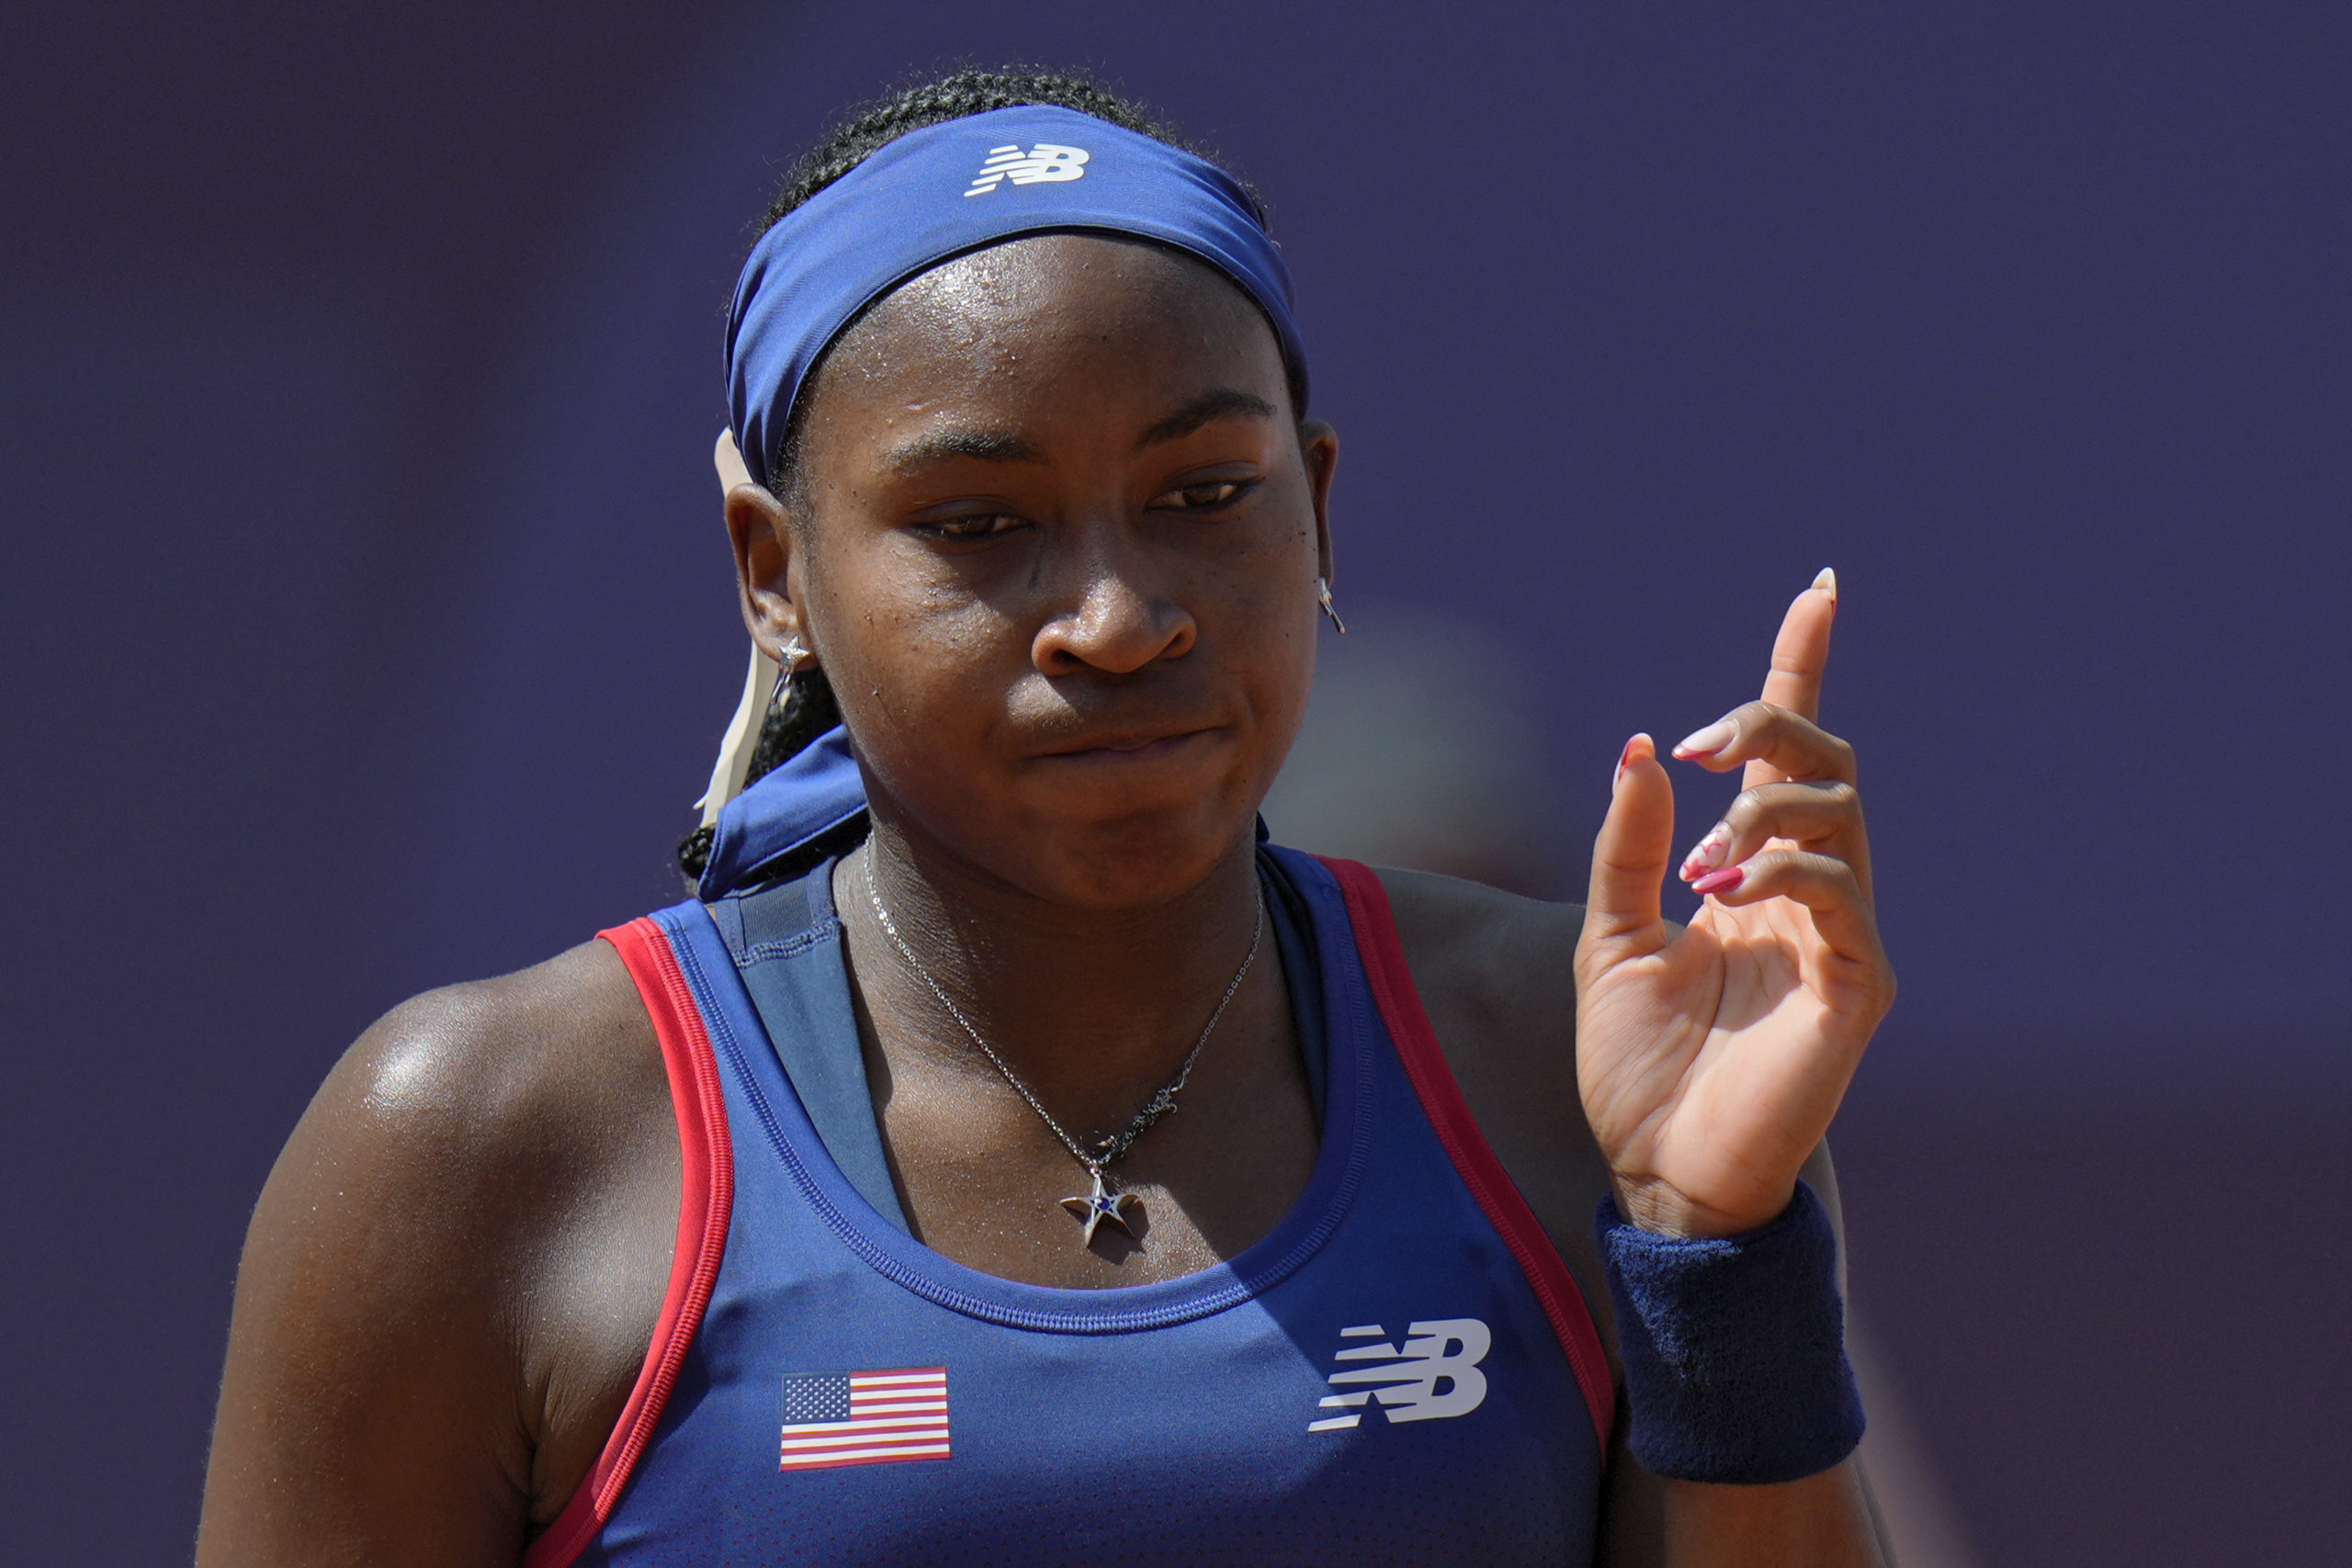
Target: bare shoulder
<point>451,1275</point>
<point>460,1109</point>
<point>477,1077</point>
<point>1498,956</point>
<point>1495,972</point>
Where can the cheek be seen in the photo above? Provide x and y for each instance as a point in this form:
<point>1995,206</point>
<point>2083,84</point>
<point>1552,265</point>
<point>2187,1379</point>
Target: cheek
<point>1266,620</point>
<point>1278,666</point>
<point>907,655</point>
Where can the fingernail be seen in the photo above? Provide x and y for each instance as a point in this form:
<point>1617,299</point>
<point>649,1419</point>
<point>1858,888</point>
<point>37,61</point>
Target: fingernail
<point>1708,741</point>
<point>1828,580</point>
<point>1708,852</point>
<point>1722,881</point>
<point>1623,757</point>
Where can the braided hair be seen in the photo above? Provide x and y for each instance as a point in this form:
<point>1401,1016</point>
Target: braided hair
<point>807,708</point>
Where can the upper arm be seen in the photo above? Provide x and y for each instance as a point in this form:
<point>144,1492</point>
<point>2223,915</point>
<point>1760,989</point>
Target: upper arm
<point>422,1283</point>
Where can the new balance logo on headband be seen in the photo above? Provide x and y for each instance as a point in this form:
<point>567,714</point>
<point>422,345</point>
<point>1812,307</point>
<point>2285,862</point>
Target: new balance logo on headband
<point>1046,161</point>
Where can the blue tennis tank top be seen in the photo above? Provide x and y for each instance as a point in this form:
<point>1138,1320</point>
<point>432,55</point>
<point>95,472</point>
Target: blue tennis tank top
<point>1401,1371</point>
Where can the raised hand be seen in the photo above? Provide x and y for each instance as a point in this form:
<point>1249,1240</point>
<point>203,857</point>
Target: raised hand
<point>1711,1059</point>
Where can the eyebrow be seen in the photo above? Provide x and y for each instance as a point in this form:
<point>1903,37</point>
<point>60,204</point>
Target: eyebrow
<point>987,445</point>
<point>1223,403</point>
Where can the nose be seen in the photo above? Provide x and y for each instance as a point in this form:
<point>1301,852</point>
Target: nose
<point>1119,622</point>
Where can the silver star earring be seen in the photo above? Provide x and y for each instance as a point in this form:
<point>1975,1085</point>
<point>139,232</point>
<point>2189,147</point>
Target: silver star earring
<point>1323,597</point>
<point>791,653</point>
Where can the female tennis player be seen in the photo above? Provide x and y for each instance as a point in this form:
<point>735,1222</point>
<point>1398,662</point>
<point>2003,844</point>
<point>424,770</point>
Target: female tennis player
<point>1006,1157</point>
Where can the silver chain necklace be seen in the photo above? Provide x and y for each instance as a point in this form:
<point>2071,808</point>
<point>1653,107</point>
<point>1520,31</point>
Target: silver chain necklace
<point>1100,1206</point>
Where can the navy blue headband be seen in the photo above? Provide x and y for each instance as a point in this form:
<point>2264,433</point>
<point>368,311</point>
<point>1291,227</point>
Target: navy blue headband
<point>953,187</point>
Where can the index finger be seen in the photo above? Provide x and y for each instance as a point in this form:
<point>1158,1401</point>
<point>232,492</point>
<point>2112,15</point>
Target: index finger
<point>1801,651</point>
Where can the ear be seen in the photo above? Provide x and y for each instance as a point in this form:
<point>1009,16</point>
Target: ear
<point>766,561</point>
<point>1318,444</point>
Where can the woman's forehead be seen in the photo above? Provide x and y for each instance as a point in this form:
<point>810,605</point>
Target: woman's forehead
<point>1066,308</point>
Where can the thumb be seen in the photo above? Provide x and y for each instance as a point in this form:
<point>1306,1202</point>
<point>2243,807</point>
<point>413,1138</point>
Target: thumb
<point>1629,858</point>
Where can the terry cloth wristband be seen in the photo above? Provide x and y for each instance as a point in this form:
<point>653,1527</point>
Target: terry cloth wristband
<point>1734,1349</point>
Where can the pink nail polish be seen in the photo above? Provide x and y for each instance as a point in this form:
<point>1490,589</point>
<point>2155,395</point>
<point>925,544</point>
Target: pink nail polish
<point>1708,741</point>
<point>1722,881</point>
<point>1708,852</point>
<point>1623,757</point>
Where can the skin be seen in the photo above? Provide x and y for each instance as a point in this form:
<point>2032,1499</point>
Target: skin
<point>1054,543</point>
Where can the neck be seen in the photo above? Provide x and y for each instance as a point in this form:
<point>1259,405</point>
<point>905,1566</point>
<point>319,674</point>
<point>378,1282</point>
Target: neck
<point>1093,1008</point>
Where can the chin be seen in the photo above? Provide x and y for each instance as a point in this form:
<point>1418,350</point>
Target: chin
<point>1105,832</point>
<point>1134,858</point>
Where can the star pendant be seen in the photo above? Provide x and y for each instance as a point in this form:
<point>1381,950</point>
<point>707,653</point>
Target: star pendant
<point>1101,1207</point>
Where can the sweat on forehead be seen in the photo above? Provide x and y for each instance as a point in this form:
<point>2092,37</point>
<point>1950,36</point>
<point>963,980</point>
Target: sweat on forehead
<point>1045,300</point>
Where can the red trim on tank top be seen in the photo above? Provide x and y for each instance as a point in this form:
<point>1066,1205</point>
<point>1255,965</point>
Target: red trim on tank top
<point>1408,1025</point>
<point>706,1201</point>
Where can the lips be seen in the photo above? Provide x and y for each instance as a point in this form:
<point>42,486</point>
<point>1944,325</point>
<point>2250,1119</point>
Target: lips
<point>1131,743</point>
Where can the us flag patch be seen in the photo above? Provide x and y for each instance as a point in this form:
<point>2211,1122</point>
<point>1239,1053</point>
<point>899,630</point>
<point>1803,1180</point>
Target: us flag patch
<point>865,1417</point>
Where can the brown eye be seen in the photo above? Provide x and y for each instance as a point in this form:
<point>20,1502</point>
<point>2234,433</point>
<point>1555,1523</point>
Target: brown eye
<point>1207,497</point>
<point>964,530</point>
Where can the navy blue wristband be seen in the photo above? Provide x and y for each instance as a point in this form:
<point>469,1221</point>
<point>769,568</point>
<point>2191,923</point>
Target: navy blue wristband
<point>1734,1349</point>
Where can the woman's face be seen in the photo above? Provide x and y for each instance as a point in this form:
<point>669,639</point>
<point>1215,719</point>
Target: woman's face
<point>1056,548</point>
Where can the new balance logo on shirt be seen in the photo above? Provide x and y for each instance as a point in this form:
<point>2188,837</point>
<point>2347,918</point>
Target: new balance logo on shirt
<point>1048,160</point>
<point>1433,1376</point>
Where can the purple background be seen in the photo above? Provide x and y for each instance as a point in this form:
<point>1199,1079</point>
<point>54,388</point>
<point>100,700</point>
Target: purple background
<point>367,623</point>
